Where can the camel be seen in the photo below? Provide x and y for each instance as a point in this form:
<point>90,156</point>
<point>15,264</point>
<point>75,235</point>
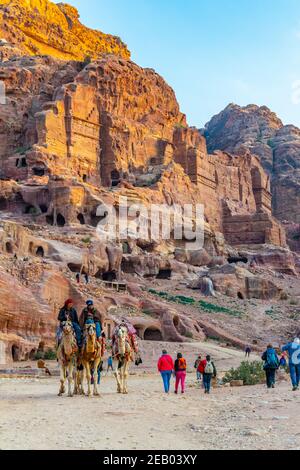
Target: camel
<point>123,351</point>
<point>67,352</point>
<point>90,357</point>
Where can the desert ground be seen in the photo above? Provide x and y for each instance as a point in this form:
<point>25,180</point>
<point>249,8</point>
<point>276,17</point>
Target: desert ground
<point>32,416</point>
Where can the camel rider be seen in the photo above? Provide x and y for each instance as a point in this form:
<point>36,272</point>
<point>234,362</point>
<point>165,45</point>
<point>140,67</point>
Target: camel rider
<point>68,312</point>
<point>91,315</point>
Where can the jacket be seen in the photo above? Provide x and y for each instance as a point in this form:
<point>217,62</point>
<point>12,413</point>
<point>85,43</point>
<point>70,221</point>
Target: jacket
<point>270,353</point>
<point>202,366</point>
<point>85,315</point>
<point>294,353</point>
<point>180,365</point>
<point>65,314</point>
<point>165,363</point>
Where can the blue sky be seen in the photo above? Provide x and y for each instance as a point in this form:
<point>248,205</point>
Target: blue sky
<point>211,52</point>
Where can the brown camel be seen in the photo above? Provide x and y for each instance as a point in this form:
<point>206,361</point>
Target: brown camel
<point>91,357</point>
<point>67,357</point>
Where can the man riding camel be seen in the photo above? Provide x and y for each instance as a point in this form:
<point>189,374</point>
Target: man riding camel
<point>91,315</point>
<point>69,313</point>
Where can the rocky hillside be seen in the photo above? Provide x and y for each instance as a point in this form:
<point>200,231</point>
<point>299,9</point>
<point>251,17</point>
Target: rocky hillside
<point>77,134</point>
<point>260,131</point>
<point>42,27</point>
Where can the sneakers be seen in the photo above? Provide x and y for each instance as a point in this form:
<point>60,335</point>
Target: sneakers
<point>295,389</point>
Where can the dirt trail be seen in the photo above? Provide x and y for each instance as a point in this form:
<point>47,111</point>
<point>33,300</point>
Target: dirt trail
<point>33,417</point>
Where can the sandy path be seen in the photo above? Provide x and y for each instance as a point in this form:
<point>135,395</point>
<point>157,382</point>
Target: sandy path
<point>33,417</point>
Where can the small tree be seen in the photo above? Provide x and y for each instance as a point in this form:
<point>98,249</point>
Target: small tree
<point>251,373</point>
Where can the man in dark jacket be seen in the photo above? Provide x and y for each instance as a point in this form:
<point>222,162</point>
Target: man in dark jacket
<point>271,365</point>
<point>69,313</point>
<point>91,315</point>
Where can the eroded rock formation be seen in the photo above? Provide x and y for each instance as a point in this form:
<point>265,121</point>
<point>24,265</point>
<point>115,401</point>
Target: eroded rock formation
<point>76,135</point>
<point>42,27</point>
<point>259,131</point>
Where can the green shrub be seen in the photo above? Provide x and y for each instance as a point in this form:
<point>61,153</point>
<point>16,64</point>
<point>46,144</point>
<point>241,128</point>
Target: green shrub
<point>38,355</point>
<point>208,307</point>
<point>50,355</point>
<point>251,373</point>
<point>189,334</point>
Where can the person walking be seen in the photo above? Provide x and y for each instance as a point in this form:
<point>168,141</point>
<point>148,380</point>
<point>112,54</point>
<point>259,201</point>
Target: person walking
<point>248,352</point>
<point>196,365</point>
<point>293,350</point>
<point>165,366</point>
<point>271,365</point>
<point>180,373</point>
<point>209,371</point>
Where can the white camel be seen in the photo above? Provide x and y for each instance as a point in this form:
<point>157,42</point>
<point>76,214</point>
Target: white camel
<point>67,357</point>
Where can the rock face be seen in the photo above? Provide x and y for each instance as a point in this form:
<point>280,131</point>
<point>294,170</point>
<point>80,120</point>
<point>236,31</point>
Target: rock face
<point>78,134</point>
<point>41,27</point>
<point>259,131</point>
<point>113,122</point>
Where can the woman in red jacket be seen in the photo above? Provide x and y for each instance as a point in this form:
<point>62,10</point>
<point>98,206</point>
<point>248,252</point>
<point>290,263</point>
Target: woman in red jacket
<point>165,366</point>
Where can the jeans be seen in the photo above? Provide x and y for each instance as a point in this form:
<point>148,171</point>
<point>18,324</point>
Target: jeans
<point>270,377</point>
<point>207,381</point>
<point>166,376</point>
<point>199,376</point>
<point>98,327</point>
<point>180,379</point>
<point>295,374</point>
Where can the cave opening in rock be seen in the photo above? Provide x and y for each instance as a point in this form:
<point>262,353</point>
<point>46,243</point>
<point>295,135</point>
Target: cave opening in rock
<point>127,267</point>
<point>115,178</point>
<point>75,268</point>
<point>80,218</point>
<point>40,252</point>
<point>50,219</point>
<point>176,322</point>
<point>95,219</point>
<point>164,274</point>
<point>84,178</point>
<point>153,334</point>
<point>237,259</point>
<point>30,209</point>
<point>23,162</point>
<point>126,248</point>
<point>15,353</point>
<point>3,204</point>
<point>32,354</point>
<point>240,296</point>
<point>61,221</point>
<point>38,171</point>
<point>17,162</point>
<point>43,208</point>
<point>9,248</point>
<point>109,276</point>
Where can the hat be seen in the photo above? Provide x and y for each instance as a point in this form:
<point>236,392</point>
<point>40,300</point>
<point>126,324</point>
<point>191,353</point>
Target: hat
<point>89,303</point>
<point>297,340</point>
<point>68,302</point>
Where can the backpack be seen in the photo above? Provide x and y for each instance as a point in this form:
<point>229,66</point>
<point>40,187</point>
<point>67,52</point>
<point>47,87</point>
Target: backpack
<point>272,359</point>
<point>182,364</point>
<point>209,368</point>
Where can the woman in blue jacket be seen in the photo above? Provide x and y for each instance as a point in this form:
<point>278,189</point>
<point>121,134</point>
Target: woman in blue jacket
<point>293,350</point>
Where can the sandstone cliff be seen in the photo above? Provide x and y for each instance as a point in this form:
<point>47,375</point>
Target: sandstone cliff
<point>76,134</point>
<point>42,27</point>
<point>260,131</point>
